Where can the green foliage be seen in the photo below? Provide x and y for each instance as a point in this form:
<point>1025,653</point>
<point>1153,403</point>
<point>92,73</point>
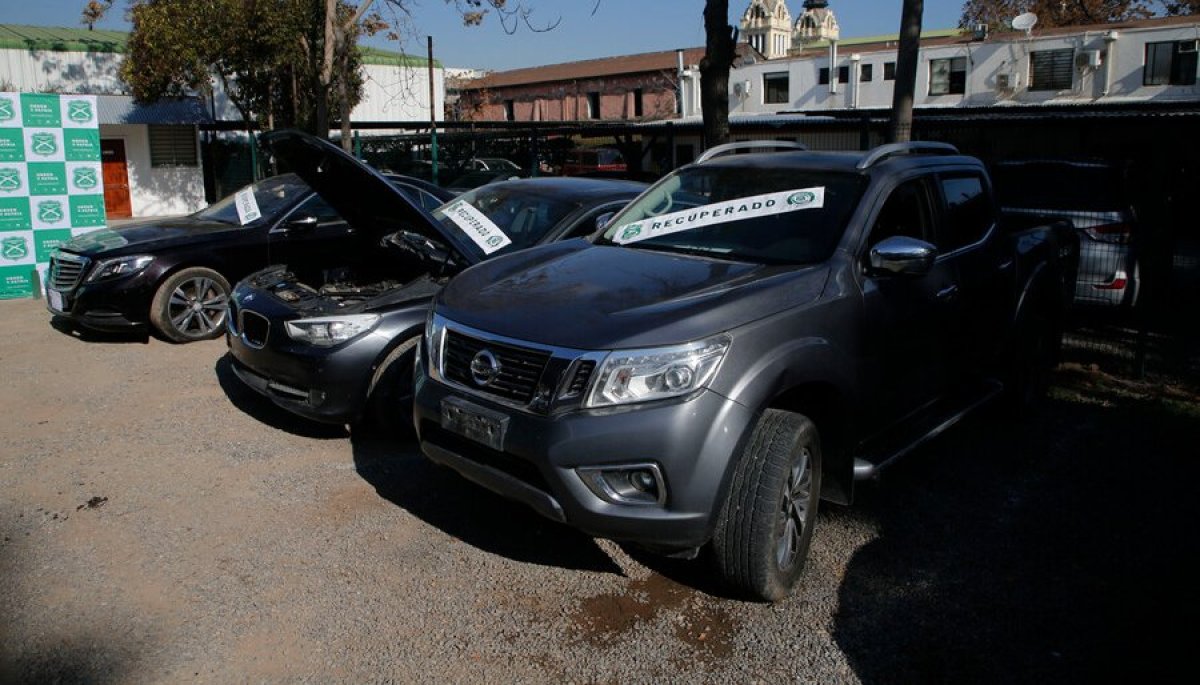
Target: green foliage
<point>998,13</point>
<point>265,54</point>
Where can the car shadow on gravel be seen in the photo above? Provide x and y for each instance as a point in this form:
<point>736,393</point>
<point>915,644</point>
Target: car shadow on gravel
<point>264,411</point>
<point>442,498</point>
<point>1053,550</point>
<point>70,329</point>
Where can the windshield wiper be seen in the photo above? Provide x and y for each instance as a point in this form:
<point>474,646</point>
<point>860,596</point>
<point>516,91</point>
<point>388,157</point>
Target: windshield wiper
<point>711,253</point>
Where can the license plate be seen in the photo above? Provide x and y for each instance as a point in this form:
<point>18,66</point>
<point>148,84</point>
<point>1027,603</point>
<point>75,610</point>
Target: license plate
<point>474,422</point>
<point>55,299</point>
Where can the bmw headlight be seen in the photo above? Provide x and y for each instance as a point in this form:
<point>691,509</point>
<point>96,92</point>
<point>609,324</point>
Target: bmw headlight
<point>328,331</point>
<point>119,266</point>
<point>628,376</point>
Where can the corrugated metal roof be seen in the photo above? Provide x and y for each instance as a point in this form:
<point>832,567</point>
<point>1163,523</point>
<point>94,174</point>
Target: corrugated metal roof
<point>61,39</point>
<point>121,109</point>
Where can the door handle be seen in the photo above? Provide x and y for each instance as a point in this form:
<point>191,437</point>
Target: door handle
<point>948,293</point>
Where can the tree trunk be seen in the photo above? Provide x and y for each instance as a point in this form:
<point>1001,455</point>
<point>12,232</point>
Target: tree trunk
<point>720,42</point>
<point>906,71</point>
<point>325,79</point>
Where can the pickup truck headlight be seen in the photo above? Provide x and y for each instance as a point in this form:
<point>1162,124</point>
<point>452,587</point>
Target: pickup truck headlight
<point>328,331</point>
<point>119,266</point>
<point>628,376</point>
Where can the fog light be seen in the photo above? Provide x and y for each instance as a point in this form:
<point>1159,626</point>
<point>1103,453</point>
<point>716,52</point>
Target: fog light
<point>629,484</point>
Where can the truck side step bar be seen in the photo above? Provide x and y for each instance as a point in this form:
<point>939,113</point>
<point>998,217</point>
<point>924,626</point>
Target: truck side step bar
<point>923,428</point>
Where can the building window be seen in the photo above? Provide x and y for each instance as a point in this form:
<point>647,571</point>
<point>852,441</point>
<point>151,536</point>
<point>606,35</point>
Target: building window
<point>1170,64</point>
<point>510,110</point>
<point>775,88</point>
<point>866,73</point>
<point>172,146</point>
<point>948,76</point>
<point>1051,69</point>
<point>889,71</point>
<point>593,103</point>
<point>843,74</point>
<point>638,105</point>
<point>823,76</point>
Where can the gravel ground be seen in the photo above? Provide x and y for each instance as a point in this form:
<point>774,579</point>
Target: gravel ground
<point>161,523</point>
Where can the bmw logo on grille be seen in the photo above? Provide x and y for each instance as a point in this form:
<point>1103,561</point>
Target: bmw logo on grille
<point>484,368</point>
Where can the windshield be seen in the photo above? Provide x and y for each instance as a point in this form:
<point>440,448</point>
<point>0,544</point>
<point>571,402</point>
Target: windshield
<point>768,216</point>
<point>505,217</point>
<point>273,195</point>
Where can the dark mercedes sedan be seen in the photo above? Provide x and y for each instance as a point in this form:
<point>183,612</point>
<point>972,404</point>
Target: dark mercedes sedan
<point>174,274</point>
<point>338,347</point>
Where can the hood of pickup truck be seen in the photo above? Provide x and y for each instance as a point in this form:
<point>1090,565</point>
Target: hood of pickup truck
<point>577,295</point>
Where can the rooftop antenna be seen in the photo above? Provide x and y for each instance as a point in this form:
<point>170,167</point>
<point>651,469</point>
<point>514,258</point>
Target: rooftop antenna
<point>1025,22</point>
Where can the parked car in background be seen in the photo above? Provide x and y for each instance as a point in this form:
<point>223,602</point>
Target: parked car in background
<point>491,164</point>
<point>753,333</point>
<point>474,179</point>
<point>174,274</point>
<point>587,160</point>
<point>338,345</point>
<point>1095,197</point>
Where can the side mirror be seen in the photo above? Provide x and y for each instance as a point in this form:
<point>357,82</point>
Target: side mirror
<point>603,219</point>
<point>902,256</point>
<point>301,222</point>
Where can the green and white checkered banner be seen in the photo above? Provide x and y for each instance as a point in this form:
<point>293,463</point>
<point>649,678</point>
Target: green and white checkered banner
<point>51,186</point>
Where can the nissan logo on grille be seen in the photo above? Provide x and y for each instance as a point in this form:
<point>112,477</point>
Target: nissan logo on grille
<point>484,368</point>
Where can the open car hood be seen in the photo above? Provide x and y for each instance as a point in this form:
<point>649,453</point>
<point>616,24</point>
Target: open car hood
<point>362,195</point>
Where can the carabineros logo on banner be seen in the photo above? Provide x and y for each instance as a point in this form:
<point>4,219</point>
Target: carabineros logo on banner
<point>79,111</point>
<point>50,211</point>
<point>8,110</point>
<point>14,249</point>
<point>10,179</point>
<point>84,178</point>
<point>43,144</point>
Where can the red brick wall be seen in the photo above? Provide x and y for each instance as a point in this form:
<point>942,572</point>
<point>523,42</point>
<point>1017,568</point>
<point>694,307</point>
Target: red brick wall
<point>567,100</point>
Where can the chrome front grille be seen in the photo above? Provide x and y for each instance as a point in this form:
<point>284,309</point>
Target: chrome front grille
<point>520,368</point>
<point>66,270</point>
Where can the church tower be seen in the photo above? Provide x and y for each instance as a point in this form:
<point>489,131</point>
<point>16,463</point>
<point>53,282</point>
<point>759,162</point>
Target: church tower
<point>817,23</point>
<point>767,27</point>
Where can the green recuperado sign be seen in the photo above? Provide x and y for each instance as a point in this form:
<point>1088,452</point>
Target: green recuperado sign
<point>51,185</point>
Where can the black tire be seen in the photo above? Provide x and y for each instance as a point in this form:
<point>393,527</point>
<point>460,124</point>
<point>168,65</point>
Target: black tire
<point>191,305</point>
<point>389,396</point>
<point>1032,359</point>
<point>767,522</point>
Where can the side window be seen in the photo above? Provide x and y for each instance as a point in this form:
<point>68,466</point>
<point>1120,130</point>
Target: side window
<point>318,207</point>
<point>587,225</point>
<point>429,202</point>
<point>968,211</point>
<point>905,213</point>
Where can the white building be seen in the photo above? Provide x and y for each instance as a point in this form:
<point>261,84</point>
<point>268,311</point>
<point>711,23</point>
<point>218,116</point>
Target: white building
<point>156,148</point>
<point>1120,63</point>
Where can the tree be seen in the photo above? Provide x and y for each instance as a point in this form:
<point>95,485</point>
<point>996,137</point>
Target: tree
<point>998,13</point>
<point>94,12</point>
<point>720,48</point>
<point>908,55</point>
<point>1182,7</point>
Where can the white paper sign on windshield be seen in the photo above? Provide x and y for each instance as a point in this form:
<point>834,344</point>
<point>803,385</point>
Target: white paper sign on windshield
<point>247,206</point>
<point>477,226</point>
<point>720,213</point>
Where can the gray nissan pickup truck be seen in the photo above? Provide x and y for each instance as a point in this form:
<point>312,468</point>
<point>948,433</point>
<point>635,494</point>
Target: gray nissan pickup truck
<point>754,333</point>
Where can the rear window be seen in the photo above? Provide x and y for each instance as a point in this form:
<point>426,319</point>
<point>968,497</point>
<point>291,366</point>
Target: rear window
<point>768,216</point>
<point>1060,186</point>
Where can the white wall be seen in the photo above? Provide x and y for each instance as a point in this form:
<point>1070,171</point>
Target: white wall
<point>156,191</point>
<point>985,61</point>
<point>33,71</point>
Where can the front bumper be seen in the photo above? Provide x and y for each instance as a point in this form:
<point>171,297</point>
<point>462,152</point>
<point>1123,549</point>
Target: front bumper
<point>324,384</point>
<point>117,305</point>
<point>693,442</point>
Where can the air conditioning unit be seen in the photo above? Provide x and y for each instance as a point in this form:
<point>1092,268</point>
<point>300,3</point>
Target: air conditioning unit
<point>1006,81</point>
<point>1189,46</point>
<point>1089,59</point>
<point>741,89</point>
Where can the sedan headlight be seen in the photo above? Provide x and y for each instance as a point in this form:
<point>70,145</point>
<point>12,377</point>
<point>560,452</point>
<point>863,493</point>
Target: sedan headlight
<point>119,266</point>
<point>628,376</point>
<point>328,331</point>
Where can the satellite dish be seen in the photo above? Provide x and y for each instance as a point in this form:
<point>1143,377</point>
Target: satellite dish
<point>1024,22</point>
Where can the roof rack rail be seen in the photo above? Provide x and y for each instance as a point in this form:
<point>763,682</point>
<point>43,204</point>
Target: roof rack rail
<point>878,154</point>
<point>729,148</point>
